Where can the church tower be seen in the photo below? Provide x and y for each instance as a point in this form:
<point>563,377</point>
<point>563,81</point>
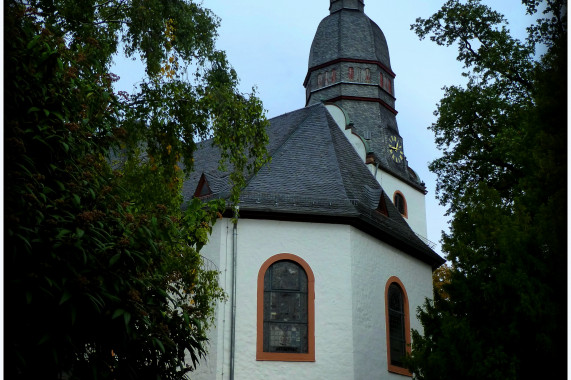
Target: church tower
<point>349,66</point>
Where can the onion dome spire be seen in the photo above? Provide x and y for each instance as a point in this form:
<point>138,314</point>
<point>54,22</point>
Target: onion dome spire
<point>346,4</point>
<point>349,66</point>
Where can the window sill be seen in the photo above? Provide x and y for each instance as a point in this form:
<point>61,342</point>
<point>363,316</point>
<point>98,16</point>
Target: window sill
<point>276,356</point>
<point>399,370</point>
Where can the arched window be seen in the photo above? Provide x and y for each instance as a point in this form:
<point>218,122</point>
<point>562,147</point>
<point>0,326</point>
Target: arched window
<point>285,310</point>
<point>398,325</point>
<point>400,203</point>
<point>385,83</point>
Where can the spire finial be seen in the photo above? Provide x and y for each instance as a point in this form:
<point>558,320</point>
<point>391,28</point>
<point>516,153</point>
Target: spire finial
<point>336,5</point>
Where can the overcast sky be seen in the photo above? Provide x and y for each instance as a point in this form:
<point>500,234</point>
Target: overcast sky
<point>268,42</point>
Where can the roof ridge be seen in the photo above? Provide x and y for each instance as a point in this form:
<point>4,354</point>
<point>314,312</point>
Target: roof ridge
<point>328,119</point>
<point>292,112</point>
<point>341,157</point>
<point>278,148</point>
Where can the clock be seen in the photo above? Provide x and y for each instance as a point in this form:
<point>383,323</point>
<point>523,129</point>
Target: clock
<point>395,149</point>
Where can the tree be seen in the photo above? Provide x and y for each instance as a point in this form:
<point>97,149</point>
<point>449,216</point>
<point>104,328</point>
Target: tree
<point>501,314</point>
<point>102,267</point>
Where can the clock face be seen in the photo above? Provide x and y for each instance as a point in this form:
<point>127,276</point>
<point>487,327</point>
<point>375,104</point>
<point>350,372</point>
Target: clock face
<point>395,149</point>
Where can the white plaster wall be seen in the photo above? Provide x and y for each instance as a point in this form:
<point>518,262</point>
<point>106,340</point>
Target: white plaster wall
<point>351,269</point>
<point>326,248</point>
<point>373,263</point>
<point>219,251</point>
<point>415,201</point>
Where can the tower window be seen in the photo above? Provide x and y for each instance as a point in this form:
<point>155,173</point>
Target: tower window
<point>351,73</point>
<point>333,76</point>
<point>367,75</point>
<point>385,83</point>
<point>320,80</point>
<point>285,310</point>
<point>400,203</point>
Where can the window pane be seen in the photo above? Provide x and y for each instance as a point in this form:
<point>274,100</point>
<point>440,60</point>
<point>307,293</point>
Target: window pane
<point>395,298</point>
<point>285,337</point>
<point>285,308</point>
<point>399,203</point>
<point>396,325</point>
<point>285,276</point>
<point>397,352</point>
<point>267,277</point>
<point>288,307</point>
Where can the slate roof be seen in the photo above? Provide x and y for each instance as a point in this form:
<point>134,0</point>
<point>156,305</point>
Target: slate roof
<point>315,175</point>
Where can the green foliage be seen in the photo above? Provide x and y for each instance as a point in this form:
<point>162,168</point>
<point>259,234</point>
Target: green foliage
<point>501,311</point>
<point>103,273</point>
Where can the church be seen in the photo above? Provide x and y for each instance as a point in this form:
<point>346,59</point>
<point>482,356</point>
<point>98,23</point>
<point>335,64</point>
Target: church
<point>328,261</point>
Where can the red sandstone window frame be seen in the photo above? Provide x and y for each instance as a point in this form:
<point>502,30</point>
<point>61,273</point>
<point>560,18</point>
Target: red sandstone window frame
<point>398,192</point>
<point>393,368</point>
<point>280,356</point>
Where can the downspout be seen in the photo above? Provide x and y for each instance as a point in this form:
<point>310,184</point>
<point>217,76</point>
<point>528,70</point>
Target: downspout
<point>233,319</point>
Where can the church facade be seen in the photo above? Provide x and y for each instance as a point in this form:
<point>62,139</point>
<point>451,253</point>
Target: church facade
<point>328,261</point>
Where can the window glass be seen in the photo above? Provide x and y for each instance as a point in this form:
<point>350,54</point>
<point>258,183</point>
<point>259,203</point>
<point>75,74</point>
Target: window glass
<point>396,325</point>
<point>285,308</point>
<point>399,203</point>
